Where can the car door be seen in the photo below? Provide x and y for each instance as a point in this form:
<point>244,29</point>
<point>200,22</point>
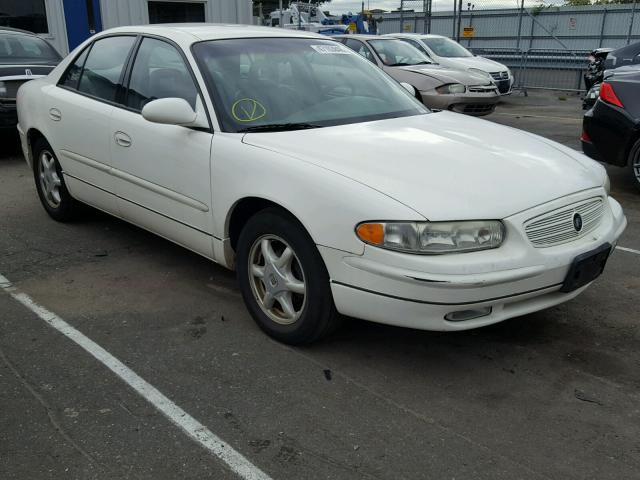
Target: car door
<point>162,172</point>
<point>79,112</point>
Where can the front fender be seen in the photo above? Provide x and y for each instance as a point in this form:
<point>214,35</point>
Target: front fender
<point>327,204</point>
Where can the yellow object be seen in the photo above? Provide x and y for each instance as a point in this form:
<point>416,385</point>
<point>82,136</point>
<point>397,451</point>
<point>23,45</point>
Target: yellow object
<point>371,233</point>
<point>248,110</point>
<point>468,32</point>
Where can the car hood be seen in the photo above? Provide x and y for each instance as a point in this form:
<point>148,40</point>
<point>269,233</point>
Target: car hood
<point>480,63</point>
<point>448,75</point>
<point>445,166</point>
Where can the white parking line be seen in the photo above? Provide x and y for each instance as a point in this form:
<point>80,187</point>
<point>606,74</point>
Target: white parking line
<point>630,250</point>
<point>194,429</point>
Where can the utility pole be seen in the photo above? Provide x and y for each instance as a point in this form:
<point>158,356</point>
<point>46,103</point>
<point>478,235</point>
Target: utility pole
<point>454,18</point>
<point>470,8</point>
<point>401,15</point>
<point>459,20</point>
<point>281,19</point>
<point>631,19</point>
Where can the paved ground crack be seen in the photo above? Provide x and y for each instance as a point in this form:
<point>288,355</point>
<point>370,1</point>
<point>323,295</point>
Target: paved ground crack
<point>50,414</point>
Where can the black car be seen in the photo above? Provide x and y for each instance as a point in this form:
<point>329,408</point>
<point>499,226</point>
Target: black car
<point>620,57</point>
<point>611,129</point>
<point>23,57</point>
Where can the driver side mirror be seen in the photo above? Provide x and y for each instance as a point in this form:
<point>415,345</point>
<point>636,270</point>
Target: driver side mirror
<point>409,88</point>
<point>174,111</point>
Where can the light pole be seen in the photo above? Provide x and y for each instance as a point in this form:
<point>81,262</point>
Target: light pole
<point>470,7</point>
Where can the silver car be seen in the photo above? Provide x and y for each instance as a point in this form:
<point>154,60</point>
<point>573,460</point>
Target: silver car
<point>473,93</point>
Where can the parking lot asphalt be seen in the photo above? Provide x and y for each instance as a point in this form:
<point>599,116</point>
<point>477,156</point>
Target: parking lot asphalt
<point>553,395</point>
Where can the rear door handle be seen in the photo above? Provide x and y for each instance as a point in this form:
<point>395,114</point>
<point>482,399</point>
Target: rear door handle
<point>55,114</point>
<point>122,139</point>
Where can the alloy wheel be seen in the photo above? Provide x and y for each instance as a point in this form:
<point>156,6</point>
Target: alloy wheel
<point>50,182</point>
<point>277,279</point>
<point>635,166</point>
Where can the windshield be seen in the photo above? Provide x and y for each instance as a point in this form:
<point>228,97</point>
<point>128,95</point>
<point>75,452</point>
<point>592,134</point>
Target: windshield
<point>445,47</point>
<point>396,53</point>
<point>297,83</point>
<point>26,49</point>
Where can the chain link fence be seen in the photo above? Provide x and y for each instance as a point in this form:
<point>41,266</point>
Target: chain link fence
<point>545,45</point>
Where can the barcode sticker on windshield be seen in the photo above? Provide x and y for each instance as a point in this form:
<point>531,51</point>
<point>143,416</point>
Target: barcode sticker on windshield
<point>331,49</point>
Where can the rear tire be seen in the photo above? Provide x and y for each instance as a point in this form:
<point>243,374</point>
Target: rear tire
<point>283,279</point>
<point>52,191</point>
<point>634,163</point>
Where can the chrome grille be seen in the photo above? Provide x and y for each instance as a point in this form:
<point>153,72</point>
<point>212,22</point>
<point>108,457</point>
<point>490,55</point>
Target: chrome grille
<point>500,75</point>
<point>556,227</point>
<point>481,89</point>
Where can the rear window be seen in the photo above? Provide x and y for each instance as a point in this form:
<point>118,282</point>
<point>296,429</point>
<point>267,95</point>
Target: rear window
<point>26,49</point>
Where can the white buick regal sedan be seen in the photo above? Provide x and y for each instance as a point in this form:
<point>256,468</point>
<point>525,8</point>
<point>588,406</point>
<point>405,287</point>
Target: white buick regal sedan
<point>327,186</point>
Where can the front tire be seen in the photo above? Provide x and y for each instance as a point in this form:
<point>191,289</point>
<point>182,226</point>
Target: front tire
<point>52,191</point>
<point>634,163</point>
<point>283,279</point>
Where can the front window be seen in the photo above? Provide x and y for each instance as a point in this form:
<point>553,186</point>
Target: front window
<point>445,47</point>
<point>258,83</point>
<point>417,45</point>
<point>159,72</point>
<point>17,48</point>
<point>396,53</point>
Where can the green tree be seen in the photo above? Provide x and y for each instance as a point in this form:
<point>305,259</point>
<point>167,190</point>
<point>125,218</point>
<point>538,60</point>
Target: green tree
<point>580,3</point>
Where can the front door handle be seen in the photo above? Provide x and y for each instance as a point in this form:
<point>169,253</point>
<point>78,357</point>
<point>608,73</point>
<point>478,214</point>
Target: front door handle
<point>55,114</point>
<point>122,139</point>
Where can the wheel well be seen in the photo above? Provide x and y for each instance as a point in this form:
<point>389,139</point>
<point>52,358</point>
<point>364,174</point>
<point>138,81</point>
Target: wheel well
<point>627,155</point>
<point>33,135</point>
<point>244,210</point>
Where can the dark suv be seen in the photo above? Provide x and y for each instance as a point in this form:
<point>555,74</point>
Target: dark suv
<point>23,57</point>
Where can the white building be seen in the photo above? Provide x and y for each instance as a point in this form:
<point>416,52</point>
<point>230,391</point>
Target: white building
<point>66,23</point>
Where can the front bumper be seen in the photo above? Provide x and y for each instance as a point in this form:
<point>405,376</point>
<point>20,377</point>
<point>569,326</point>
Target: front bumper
<point>505,86</point>
<point>476,104</point>
<point>417,291</point>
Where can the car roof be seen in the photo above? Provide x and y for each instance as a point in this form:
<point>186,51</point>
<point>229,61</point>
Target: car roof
<point>195,32</point>
<point>630,50</point>
<point>16,31</point>
<point>362,36</point>
<point>415,35</point>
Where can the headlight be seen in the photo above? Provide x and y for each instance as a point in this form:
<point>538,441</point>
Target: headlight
<point>482,73</point>
<point>433,237</point>
<point>451,88</point>
<point>3,89</point>
<point>607,184</point>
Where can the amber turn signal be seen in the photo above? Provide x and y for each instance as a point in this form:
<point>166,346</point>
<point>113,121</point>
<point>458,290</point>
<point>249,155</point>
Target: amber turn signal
<point>371,233</point>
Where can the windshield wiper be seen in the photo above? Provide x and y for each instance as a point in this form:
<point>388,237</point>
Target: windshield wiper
<point>279,127</point>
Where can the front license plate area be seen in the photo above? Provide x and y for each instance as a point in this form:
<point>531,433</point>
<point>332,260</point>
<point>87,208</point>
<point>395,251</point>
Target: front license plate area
<point>586,268</point>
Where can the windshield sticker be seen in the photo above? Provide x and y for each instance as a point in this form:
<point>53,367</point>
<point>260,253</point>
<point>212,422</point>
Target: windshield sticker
<point>331,49</point>
<point>248,110</point>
